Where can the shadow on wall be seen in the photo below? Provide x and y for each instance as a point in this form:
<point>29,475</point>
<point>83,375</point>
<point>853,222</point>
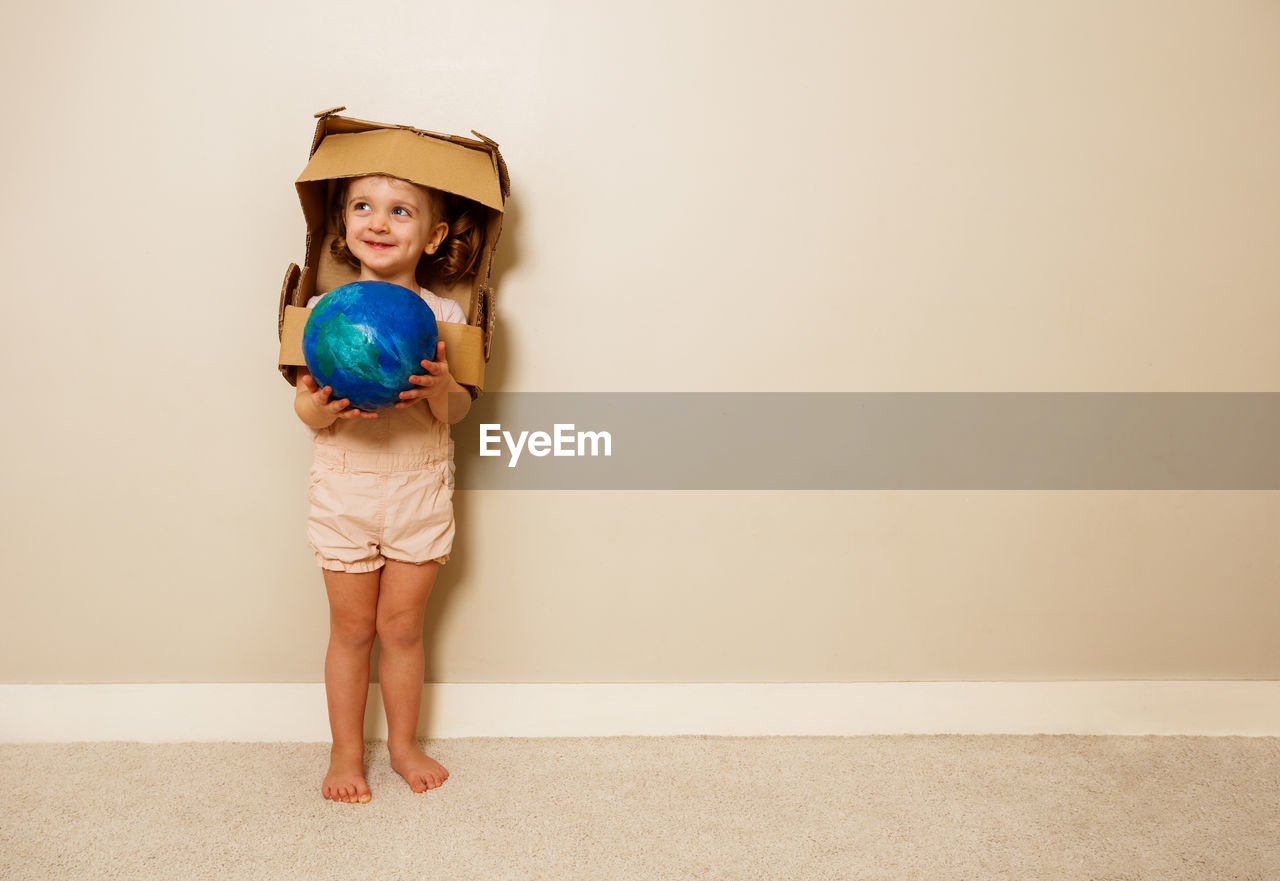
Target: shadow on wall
<point>454,575</point>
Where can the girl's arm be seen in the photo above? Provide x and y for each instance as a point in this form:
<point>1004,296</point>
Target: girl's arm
<point>451,405</point>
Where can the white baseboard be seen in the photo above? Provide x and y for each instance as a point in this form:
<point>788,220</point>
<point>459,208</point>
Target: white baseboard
<point>166,713</point>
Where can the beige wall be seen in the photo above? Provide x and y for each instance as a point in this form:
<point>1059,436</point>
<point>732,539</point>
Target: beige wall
<point>933,196</point>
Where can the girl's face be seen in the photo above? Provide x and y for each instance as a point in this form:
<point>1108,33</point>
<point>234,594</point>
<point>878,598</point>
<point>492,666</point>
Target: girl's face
<point>390,225</point>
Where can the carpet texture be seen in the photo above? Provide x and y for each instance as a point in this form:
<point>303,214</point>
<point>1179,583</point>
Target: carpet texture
<point>913,807</point>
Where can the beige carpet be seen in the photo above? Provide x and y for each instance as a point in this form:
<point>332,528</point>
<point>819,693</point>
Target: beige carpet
<point>656,808</point>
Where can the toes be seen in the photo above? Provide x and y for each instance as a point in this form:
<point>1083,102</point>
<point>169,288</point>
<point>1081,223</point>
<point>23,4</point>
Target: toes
<point>347,793</point>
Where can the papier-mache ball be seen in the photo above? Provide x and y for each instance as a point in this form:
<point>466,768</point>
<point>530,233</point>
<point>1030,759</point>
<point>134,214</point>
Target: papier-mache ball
<point>365,339</point>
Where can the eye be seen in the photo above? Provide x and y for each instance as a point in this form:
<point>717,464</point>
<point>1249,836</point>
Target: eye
<point>359,206</point>
<point>401,210</point>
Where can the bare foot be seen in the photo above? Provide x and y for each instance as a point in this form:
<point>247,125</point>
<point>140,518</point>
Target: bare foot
<point>345,781</point>
<point>417,768</point>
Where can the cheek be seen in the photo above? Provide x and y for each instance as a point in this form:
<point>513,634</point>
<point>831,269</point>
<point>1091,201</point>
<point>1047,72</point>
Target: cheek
<point>353,234</point>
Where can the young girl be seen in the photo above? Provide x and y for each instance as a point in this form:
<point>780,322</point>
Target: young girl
<point>381,520</point>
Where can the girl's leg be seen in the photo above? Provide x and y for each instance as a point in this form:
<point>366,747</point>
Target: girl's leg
<point>402,601</point>
<point>353,603</point>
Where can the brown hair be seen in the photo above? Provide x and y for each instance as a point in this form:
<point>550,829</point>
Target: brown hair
<point>457,256</point>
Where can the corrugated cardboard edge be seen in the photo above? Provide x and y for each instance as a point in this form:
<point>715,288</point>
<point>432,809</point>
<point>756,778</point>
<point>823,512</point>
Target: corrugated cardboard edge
<point>463,346</point>
<point>292,276</point>
<point>486,316</point>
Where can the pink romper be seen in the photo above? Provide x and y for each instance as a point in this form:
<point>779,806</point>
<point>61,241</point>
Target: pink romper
<point>382,489</point>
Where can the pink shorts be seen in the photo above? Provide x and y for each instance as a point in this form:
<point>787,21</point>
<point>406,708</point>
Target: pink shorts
<point>367,508</point>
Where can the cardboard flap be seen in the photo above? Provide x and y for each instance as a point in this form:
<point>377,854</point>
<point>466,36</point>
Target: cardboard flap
<point>292,323</point>
<point>401,153</point>
<point>464,350</point>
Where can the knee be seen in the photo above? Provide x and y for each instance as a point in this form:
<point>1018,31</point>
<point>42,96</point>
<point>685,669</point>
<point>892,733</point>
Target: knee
<point>400,630</point>
<point>352,633</point>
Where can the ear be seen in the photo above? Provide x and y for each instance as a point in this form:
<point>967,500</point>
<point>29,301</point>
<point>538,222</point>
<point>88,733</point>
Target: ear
<point>438,234</point>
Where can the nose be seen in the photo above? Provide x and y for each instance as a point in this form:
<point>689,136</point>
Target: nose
<point>379,222</point>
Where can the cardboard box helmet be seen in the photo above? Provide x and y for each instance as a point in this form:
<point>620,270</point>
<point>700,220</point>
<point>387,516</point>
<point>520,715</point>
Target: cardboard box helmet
<point>469,173</point>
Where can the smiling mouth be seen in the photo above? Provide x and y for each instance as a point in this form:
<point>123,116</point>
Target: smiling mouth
<point>379,246</point>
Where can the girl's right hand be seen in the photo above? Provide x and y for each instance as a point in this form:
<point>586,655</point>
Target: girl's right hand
<point>338,409</point>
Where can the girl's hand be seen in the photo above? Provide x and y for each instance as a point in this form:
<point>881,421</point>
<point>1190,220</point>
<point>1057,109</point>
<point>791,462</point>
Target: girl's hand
<point>338,409</point>
<point>432,384</point>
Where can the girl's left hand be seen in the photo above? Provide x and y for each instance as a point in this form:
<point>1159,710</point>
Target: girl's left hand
<point>436,381</point>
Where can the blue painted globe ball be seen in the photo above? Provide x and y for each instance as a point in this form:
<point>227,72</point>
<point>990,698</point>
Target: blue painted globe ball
<point>365,339</point>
